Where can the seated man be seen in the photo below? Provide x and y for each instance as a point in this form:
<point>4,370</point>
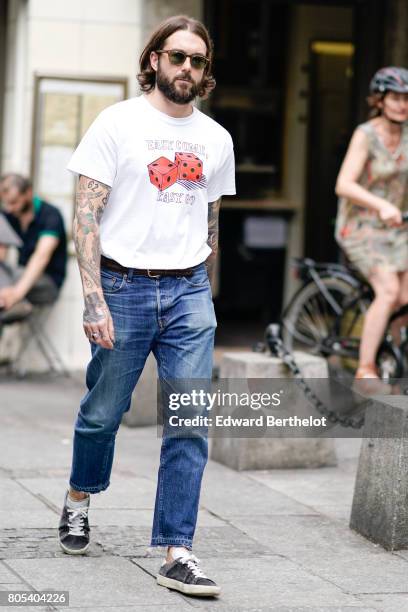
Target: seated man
<point>43,252</point>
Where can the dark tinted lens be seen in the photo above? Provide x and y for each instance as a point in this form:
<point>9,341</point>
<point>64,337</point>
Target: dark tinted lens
<point>198,61</point>
<point>177,57</point>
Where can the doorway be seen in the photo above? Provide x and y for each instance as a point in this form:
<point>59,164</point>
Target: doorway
<point>330,111</point>
<point>250,38</point>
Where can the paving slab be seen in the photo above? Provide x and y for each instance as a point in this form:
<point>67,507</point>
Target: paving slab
<point>328,491</point>
<point>403,554</point>
<point>302,609</point>
<point>31,518</point>
<point>25,543</point>
<point>209,542</point>
<point>21,586</point>
<point>127,501</point>
<point>142,518</point>
<point>28,609</point>
<point>243,495</point>
<point>33,449</point>
<point>284,584</point>
<point>27,510</point>
<point>332,551</point>
<point>386,602</point>
<point>93,582</point>
<point>143,607</point>
<point>7,576</point>
<point>130,541</point>
<point>12,494</point>
<point>122,494</point>
<point>28,400</point>
<point>137,450</point>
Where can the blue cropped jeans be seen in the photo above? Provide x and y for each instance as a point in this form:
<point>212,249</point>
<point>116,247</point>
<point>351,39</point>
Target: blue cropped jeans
<point>173,317</point>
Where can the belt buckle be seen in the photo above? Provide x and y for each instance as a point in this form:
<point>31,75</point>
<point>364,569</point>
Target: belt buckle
<point>152,275</point>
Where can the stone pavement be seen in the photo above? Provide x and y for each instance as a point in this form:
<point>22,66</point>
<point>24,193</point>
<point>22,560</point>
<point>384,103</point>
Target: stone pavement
<point>274,540</point>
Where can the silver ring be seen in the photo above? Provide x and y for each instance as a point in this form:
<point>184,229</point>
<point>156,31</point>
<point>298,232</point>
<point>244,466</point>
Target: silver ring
<point>95,335</point>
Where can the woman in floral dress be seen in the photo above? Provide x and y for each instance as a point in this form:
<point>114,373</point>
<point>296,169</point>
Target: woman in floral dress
<point>373,190</point>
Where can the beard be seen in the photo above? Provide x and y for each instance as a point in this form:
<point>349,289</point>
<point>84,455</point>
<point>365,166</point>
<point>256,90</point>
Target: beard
<point>171,92</point>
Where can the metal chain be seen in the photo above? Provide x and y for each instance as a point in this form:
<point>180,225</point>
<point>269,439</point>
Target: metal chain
<point>278,349</point>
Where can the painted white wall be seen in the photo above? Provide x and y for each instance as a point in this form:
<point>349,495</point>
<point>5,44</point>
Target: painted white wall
<point>16,126</point>
<point>308,23</point>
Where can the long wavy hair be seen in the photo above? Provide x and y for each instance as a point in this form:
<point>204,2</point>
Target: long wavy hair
<point>147,76</point>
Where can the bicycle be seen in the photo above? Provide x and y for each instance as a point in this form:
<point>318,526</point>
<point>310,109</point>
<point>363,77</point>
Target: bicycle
<point>325,317</point>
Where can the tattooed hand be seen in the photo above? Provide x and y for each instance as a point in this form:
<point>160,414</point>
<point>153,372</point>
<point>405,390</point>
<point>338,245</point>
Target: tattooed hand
<point>98,324</point>
<point>91,200</point>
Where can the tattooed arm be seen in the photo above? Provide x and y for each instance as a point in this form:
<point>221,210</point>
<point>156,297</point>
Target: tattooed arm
<point>213,214</point>
<point>91,199</point>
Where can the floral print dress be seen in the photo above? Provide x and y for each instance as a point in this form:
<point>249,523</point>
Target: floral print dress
<point>366,240</point>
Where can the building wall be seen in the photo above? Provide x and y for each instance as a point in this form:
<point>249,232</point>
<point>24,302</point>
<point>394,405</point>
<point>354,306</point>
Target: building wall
<point>3,34</point>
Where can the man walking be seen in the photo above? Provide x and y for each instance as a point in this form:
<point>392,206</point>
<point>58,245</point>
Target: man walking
<point>152,170</point>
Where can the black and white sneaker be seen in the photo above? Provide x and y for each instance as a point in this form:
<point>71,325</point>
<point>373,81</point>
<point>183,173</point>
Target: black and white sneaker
<point>184,575</point>
<point>74,527</point>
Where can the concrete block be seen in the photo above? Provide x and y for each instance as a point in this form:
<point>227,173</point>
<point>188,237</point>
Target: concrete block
<point>278,452</point>
<point>143,409</point>
<point>380,503</point>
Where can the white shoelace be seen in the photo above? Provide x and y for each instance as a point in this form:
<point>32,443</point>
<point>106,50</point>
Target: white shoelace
<point>76,520</point>
<point>192,563</point>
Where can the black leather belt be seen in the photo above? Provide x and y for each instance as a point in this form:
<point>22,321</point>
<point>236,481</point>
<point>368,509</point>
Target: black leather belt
<point>111,264</point>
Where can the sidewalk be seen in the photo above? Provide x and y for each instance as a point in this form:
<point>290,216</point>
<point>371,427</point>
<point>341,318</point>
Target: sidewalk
<point>273,540</point>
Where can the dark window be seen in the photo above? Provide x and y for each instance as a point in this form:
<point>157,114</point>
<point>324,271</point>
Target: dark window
<point>250,38</point>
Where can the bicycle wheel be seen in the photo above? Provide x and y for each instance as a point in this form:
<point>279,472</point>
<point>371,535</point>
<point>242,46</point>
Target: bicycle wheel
<point>310,319</point>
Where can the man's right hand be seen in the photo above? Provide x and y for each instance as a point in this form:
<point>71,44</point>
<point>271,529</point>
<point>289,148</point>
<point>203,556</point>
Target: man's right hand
<point>98,324</point>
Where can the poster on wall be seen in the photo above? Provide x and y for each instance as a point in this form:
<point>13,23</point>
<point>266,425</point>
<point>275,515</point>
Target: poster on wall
<point>64,109</point>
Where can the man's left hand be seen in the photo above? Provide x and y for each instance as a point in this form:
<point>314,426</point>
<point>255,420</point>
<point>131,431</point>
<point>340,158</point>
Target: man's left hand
<point>9,296</point>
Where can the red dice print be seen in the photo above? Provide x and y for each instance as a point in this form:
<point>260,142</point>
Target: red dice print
<point>190,167</point>
<point>162,173</point>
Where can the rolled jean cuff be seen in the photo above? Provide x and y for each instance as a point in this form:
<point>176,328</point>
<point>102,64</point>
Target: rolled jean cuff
<point>172,541</point>
<point>86,489</point>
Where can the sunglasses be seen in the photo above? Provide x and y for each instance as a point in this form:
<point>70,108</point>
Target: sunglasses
<point>177,58</point>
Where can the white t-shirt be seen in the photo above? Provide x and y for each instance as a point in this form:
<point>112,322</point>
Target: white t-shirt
<point>163,171</point>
